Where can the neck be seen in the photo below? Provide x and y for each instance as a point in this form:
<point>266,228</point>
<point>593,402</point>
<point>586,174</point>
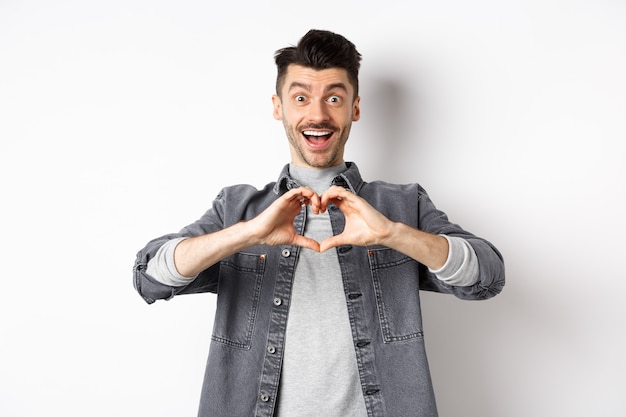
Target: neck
<point>317,179</point>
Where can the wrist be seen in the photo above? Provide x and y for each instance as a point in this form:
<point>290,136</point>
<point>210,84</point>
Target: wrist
<point>390,233</point>
<point>249,233</point>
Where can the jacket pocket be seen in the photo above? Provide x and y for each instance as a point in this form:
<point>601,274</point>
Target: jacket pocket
<point>396,287</point>
<point>238,293</point>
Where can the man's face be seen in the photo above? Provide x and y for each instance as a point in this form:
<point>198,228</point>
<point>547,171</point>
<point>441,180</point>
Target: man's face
<point>317,110</point>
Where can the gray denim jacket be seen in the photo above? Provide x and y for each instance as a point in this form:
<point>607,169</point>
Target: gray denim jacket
<point>382,294</point>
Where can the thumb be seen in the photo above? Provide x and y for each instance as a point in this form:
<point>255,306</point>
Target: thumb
<point>331,242</point>
<point>306,242</point>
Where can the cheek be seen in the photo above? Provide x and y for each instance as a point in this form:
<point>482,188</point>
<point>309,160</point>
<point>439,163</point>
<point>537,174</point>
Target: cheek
<point>294,118</point>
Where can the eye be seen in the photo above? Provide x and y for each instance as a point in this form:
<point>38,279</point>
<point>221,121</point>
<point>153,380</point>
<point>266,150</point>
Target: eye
<point>334,99</point>
<point>300,98</point>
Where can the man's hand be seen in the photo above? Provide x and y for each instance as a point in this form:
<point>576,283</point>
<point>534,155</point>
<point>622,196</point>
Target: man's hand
<point>274,226</point>
<point>365,226</point>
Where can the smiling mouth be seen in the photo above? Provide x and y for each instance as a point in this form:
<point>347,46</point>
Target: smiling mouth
<point>317,137</point>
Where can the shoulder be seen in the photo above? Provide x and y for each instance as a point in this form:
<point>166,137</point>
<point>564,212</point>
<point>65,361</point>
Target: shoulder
<point>244,191</point>
<point>383,189</point>
<point>243,201</point>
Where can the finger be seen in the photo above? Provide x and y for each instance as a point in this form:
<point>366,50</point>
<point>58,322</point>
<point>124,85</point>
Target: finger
<point>296,196</point>
<point>334,195</point>
<point>307,192</point>
<point>331,242</point>
<point>306,242</point>
<point>293,195</point>
<point>315,203</point>
<point>305,196</point>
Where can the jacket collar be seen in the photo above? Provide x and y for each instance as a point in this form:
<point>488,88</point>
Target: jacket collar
<point>349,179</point>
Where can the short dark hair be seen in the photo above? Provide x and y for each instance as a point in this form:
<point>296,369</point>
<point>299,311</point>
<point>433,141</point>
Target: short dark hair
<point>320,49</point>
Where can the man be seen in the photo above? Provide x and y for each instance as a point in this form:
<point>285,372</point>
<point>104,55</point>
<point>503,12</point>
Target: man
<point>318,275</point>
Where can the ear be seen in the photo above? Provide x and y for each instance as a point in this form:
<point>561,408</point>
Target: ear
<point>278,113</point>
<point>356,109</point>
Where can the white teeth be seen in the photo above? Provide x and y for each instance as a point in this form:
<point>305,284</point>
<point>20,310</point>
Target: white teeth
<point>314,133</point>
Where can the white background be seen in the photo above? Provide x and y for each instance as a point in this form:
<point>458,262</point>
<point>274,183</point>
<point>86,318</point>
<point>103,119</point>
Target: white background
<point>120,121</point>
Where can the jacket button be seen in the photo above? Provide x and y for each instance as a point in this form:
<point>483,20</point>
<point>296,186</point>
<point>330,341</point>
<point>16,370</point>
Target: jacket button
<point>286,253</point>
<point>265,398</point>
<point>271,349</point>
<point>277,301</point>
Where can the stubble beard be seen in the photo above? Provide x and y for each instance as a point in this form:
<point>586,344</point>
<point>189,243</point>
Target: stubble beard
<point>320,159</point>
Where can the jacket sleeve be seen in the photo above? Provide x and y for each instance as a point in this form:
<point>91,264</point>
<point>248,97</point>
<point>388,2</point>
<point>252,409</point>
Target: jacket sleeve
<point>150,289</point>
<point>490,260</point>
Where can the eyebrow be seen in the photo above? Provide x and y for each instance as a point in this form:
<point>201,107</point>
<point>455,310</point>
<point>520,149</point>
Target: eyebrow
<point>307,87</point>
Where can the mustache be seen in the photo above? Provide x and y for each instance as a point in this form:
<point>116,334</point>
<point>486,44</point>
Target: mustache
<point>326,126</point>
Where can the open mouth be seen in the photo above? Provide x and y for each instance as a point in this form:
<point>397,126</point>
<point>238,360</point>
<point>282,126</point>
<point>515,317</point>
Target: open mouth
<point>317,138</point>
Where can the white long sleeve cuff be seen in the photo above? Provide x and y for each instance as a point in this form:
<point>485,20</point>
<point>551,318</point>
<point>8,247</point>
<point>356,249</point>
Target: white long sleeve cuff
<point>162,266</point>
<point>461,267</point>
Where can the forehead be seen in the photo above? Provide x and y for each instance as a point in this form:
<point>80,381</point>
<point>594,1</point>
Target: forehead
<point>316,79</point>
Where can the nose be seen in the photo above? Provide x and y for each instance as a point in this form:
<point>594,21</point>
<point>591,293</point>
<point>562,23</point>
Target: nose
<point>317,111</point>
